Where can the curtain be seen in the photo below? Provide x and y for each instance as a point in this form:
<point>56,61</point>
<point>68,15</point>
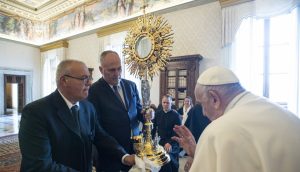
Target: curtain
<point>268,8</point>
<point>49,60</point>
<point>232,16</point>
<point>242,48</point>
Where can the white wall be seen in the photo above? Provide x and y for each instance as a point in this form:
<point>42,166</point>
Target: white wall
<point>87,50</point>
<point>197,31</point>
<point>22,57</point>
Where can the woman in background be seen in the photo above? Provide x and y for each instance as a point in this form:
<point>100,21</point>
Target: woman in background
<point>183,111</point>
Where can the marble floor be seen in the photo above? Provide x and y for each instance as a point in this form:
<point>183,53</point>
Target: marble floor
<point>9,124</point>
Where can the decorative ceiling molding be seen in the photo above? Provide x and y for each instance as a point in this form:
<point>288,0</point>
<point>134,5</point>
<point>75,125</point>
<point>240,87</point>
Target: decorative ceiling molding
<point>119,27</point>
<point>54,45</point>
<point>227,3</point>
<point>33,4</point>
<point>47,10</point>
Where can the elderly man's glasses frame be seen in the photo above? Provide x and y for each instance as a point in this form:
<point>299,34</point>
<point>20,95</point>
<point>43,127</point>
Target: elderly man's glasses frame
<point>85,79</point>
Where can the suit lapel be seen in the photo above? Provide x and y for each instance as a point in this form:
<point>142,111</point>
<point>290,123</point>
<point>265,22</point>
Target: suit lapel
<point>112,94</point>
<point>64,113</point>
<point>67,118</point>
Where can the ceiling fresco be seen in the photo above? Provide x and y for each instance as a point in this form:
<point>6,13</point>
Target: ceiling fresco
<point>39,10</point>
<point>39,22</point>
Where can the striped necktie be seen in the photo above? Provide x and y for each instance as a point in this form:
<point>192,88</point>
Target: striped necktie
<point>115,87</point>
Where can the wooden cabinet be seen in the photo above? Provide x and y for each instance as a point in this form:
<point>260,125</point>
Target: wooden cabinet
<point>179,78</point>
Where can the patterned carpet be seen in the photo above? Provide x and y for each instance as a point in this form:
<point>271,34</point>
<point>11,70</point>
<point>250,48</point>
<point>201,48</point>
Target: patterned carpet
<point>10,157</point>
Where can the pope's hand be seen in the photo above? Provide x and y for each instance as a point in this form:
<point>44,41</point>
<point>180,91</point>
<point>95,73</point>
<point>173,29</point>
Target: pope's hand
<point>185,139</point>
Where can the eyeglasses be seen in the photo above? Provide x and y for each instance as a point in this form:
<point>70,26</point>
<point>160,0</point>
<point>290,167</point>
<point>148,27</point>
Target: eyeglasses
<point>85,79</point>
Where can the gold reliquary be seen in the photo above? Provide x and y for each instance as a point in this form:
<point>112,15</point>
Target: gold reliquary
<point>146,147</point>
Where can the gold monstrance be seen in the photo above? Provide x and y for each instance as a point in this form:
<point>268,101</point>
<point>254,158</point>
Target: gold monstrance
<point>147,49</point>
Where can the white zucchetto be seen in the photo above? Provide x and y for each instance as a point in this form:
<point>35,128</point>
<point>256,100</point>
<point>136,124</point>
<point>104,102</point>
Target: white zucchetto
<point>217,75</point>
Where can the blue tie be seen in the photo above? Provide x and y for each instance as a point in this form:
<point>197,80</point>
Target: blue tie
<point>75,113</point>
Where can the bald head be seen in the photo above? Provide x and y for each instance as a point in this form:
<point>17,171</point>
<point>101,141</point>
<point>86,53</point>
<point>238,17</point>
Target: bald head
<point>104,54</point>
<point>65,68</point>
<point>110,67</point>
<point>73,80</point>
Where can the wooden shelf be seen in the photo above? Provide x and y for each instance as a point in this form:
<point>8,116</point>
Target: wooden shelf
<point>179,77</point>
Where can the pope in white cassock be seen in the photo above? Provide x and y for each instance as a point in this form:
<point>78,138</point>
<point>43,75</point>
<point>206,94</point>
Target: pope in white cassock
<point>247,134</point>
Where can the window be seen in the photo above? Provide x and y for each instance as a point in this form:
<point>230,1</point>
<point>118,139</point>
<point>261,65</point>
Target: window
<point>266,58</point>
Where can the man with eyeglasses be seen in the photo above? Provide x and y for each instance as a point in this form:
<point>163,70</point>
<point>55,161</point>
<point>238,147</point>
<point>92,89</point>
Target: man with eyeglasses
<point>85,79</point>
<point>57,132</point>
<point>118,108</point>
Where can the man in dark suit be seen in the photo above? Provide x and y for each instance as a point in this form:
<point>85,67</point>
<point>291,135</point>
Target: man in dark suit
<point>196,122</point>
<point>118,108</point>
<point>164,122</point>
<point>54,137</point>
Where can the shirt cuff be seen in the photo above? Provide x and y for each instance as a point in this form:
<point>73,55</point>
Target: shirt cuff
<point>123,157</point>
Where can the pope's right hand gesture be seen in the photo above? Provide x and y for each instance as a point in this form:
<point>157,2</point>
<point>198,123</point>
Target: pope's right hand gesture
<point>185,139</point>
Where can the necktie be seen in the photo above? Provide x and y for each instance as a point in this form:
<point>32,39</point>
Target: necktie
<point>117,93</point>
<point>75,113</point>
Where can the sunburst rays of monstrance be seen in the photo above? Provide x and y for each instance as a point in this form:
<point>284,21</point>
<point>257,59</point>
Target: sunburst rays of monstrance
<point>147,49</point>
<point>159,32</point>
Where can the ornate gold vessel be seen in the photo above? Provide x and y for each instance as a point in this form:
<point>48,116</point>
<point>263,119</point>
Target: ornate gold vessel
<point>147,49</point>
<point>148,46</point>
<point>146,147</point>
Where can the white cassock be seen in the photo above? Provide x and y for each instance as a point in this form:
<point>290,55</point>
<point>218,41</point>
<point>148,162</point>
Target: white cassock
<point>253,135</point>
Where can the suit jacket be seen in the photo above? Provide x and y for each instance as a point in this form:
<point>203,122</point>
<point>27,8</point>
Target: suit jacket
<point>119,121</point>
<point>50,141</point>
<point>196,121</point>
<point>164,124</point>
